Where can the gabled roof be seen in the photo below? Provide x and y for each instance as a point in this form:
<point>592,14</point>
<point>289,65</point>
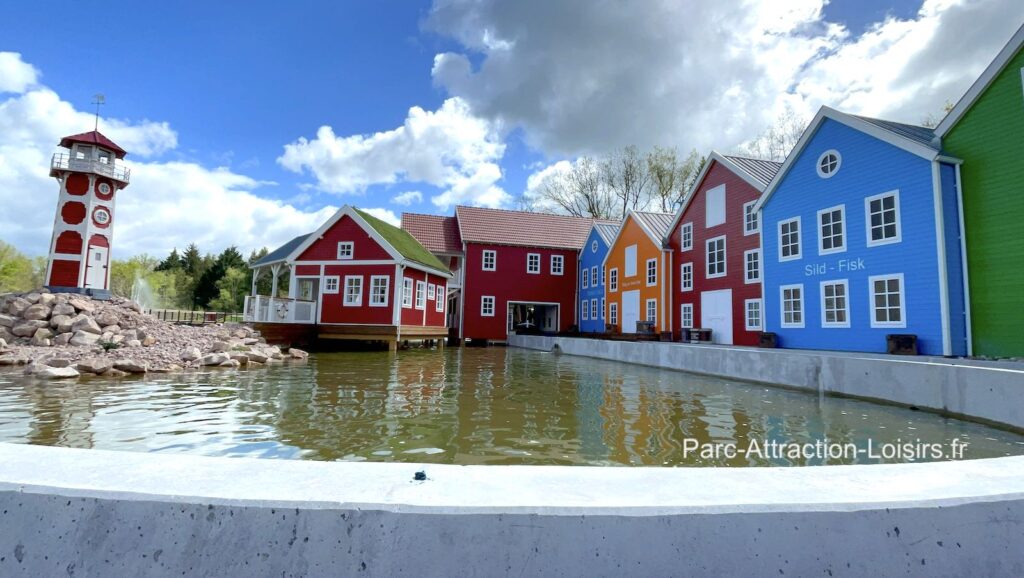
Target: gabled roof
<point>521,228</point>
<point>903,136</point>
<point>607,231</point>
<point>655,225</point>
<point>281,253</point>
<point>93,137</point>
<point>438,233</point>
<point>980,85</point>
<point>406,245</point>
<point>757,173</point>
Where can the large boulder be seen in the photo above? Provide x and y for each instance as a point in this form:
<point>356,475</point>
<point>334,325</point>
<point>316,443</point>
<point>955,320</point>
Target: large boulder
<point>241,358</point>
<point>17,306</point>
<point>58,362</point>
<point>33,297</point>
<point>11,359</point>
<point>62,339</point>
<point>62,323</point>
<point>47,299</point>
<point>133,343</point>
<point>107,317</point>
<point>7,320</point>
<point>6,335</point>
<point>148,341</point>
<point>220,346</point>
<point>257,357</point>
<point>3,344</point>
<point>41,338</point>
<point>37,311</point>
<point>130,366</point>
<point>191,354</point>
<point>84,338</point>
<point>63,309</point>
<point>82,304</point>
<point>297,353</point>
<point>214,359</point>
<point>97,365</point>
<point>28,328</point>
<point>56,373</point>
<point>86,324</point>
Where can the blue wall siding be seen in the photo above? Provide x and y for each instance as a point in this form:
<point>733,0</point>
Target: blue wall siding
<point>869,167</point>
<point>954,261</point>
<point>588,260</point>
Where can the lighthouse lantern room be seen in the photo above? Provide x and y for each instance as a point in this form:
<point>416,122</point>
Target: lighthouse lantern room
<point>90,174</point>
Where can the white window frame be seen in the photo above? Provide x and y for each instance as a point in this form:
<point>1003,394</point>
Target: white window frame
<point>493,258</point>
<point>746,315</point>
<point>593,309</point>
<point>585,310</point>
<point>782,307</point>
<point>686,237</point>
<point>651,282</point>
<point>720,215</point>
<point>685,281</point>
<point>725,257</point>
<point>593,276</point>
<point>387,290</point>
<point>686,316</point>
<point>867,218</point>
<point>586,278</point>
<point>346,250</point>
<point>630,250</point>
<point>647,311</point>
<point>602,308</point>
<point>560,261</point>
<point>747,212</point>
<point>613,313</point>
<point>431,291</point>
<point>799,239</point>
<point>902,323</point>
<point>421,295</point>
<point>839,164</point>
<point>533,263</point>
<point>328,280</point>
<point>484,301</point>
<point>842,236</point>
<point>345,301</point>
<point>406,293</point>
<point>442,297</point>
<point>602,276</point>
<point>613,280</point>
<point>747,279</point>
<point>845,283</point>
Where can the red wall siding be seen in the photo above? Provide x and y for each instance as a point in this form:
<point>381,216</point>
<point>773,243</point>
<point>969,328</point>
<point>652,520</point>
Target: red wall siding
<point>69,242</point>
<point>64,273</point>
<point>432,317</point>
<point>307,270</point>
<point>737,193</point>
<point>334,312</point>
<point>346,229</point>
<point>511,282</point>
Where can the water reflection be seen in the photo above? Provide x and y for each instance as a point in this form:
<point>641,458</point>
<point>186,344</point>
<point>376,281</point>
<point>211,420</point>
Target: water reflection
<point>472,406</point>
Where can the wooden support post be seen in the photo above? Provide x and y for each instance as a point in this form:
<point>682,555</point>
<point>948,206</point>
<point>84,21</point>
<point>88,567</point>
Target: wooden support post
<point>392,346</point>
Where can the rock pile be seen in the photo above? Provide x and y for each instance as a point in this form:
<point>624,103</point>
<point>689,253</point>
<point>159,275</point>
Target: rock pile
<point>65,336</point>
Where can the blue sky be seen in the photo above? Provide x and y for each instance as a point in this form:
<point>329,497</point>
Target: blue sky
<point>211,85</point>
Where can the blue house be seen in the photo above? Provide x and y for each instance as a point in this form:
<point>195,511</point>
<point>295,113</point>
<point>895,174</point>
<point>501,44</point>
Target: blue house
<point>590,280</point>
<point>861,239</point>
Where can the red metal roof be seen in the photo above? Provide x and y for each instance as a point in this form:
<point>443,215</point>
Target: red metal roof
<point>94,137</point>
<point>503,227</point>
<point>439,234</point>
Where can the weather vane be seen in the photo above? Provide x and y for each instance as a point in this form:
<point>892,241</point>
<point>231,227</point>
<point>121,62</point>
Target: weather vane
<point>98,99</point>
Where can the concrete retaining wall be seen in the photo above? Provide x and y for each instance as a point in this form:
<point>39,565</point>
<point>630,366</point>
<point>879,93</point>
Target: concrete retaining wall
<point>100,513</point>
<point>990,392</point>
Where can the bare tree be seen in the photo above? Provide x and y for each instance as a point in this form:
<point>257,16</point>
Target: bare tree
<point>778,139</point>
<point>670,177</point>
<point>933,120</point>
<point>626,174</point>
<point>578,191</point>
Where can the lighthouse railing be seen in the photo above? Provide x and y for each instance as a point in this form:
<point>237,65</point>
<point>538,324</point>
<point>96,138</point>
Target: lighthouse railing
<point>113,169</point>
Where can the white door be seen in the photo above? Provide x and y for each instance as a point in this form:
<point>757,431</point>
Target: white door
<point>630,310</point>
<point>716,314</point>
<point>96,268</point>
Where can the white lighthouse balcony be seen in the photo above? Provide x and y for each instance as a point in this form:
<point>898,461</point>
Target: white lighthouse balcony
<point>107,168</point>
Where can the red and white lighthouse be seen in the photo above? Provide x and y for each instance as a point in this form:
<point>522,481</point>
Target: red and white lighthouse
<point>90,174</point>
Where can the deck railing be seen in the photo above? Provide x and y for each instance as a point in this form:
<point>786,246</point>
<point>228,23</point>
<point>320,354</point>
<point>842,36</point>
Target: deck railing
<point>112,169</point>
<point>265,309</point>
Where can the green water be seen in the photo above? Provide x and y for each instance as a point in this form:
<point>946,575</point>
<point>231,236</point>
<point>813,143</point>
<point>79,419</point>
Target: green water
<point>471,406</point>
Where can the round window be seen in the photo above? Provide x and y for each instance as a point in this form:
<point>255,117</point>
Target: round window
<point>104,188</point>
<point>593,246</point>
<point>828,163</point>
<point>101,216</point>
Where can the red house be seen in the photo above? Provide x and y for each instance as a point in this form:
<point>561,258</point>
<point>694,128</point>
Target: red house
<point>514,270</point>
<point>716,251</point>
<point>356,278</point>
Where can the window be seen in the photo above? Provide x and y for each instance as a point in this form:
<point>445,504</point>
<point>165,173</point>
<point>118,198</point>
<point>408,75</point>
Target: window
<point>406,292</point>
<point>792,305</point>
<point>584,310</point>
<point>379,285</point>
<point>752,309</point>
<point>439,304</point>
<point>83,152</point>
<point>630,261</point>
<point>593,309</point>
<point>586,277</point>
<point>490,260</point>
<point>714,206</point>
<point>602,307</point>
<point>613,313</point>
<point>613,279</point>
<point>716,257</point>
<point>835,304</point>
<point>789,239</point>
<point>557,264</point>
<point>431,291</point>
<point>752,266</point>
<point>331,285</point>
<point>652,272</point>
<point>652,310</point>
<point>686,277</point>
<point>686,316</point>
<point>828,163</point>
<point>686,237</point>
<point>883,218</point>
<point>602,276</point>
<point>830,230</point>
<point>353,291</point>
<point>751,223</point>
<point>593,276</point>
<point>346,249</point>
<point>421,293</point>
<point>487,306</point>
<point>533,263</point>
<point>887,309</point>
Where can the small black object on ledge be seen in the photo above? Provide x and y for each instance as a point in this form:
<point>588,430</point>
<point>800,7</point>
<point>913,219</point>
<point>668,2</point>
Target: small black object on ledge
<point>420,476</point>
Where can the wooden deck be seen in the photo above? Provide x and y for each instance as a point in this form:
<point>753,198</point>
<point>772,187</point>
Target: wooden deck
<point>305,334</point>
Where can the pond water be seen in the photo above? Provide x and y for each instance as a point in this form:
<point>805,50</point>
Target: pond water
<point>476,406</point>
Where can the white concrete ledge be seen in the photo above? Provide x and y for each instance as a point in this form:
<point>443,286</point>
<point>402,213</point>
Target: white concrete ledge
<point>989,392</point>
<point>91,512</point>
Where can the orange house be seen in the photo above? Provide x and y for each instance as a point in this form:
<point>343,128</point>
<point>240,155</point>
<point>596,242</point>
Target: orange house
<point>638,273</point>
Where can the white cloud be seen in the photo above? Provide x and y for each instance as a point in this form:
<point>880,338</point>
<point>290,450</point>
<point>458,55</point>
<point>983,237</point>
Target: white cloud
<point>407,198</point>
<point>448,148</point>
<point>386,215</point>
<point>16,75</point>
<point>704,75</point>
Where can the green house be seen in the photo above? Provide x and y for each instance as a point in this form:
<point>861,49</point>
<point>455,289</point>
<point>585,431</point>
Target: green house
<point>986,131</point>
